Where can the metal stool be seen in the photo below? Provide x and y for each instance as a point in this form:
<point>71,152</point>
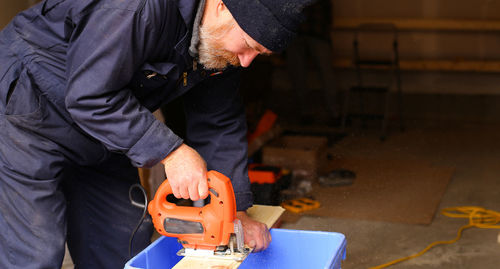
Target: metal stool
<point>362,64</point>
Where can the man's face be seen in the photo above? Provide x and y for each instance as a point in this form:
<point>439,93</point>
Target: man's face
<point>223,43</point>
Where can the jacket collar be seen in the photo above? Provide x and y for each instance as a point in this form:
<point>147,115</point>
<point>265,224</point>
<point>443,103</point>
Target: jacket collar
<point>187,9</point>
<point>195,39</point>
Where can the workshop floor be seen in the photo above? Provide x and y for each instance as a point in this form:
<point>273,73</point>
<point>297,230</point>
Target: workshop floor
<point>474,150</point>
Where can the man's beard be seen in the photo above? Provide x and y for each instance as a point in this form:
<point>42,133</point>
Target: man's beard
<point>211,52</point>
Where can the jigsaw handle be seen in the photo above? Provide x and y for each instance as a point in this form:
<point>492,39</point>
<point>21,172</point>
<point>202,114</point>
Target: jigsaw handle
<point>219,213</point>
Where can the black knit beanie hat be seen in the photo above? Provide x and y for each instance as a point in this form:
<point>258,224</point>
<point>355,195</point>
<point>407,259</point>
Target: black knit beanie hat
<point>272,23</point>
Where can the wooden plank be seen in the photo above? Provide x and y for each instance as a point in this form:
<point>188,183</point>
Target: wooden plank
<point>205,263</point>
<point>416,24</point>
<point>435,65</point>
<point>268,215</point>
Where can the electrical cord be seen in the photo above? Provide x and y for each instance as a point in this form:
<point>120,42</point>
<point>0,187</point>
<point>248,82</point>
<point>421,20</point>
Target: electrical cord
<point>139,205</point>
<point>478,217</point>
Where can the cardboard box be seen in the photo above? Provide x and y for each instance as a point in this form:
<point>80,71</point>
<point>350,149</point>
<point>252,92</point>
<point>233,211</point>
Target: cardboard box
<point>304,155</point>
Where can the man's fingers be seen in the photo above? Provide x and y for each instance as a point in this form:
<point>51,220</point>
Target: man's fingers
<point>259,247</point>
<point>263,242</point>
<point>186,169</point>
<point>259,237</point>
<point>193,192</point>
<point>203,189</point>
<point>264,237</point>
<point>193,189</point>
<point>184,192</point>
<point>267,239</point>
<point>175,192</point>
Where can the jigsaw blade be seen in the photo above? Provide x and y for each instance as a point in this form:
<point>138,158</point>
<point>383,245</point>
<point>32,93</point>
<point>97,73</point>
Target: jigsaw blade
<point>240,240</point>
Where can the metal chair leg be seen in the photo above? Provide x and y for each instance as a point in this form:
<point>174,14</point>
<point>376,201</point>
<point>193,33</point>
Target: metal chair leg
<point>345,113</point>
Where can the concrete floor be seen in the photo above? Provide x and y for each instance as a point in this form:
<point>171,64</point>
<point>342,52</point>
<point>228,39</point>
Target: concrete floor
<point>474,150</point>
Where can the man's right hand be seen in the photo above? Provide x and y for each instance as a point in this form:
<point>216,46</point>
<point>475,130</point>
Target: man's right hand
<point>187,173</point>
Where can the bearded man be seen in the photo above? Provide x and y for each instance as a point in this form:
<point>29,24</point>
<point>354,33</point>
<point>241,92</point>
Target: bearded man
<point>78,83</point>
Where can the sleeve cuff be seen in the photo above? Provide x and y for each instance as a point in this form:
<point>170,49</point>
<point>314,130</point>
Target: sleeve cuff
<point>154,145</point>
<point>244,200</point>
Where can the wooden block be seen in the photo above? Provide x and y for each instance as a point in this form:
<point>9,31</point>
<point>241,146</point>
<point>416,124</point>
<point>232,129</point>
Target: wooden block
<point>208,263</point>
<point>305,155</point>
<point>268,215</point>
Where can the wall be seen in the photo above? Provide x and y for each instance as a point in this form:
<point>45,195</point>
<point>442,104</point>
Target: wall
<point>455,9</point>
<point>9,8</point>
<point>429,44</point>
<point>432,45</point>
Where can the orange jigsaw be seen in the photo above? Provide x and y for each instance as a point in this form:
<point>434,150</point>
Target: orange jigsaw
<point>209,230</point>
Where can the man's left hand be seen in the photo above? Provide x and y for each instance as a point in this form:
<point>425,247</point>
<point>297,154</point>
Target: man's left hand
<point>256,234</point>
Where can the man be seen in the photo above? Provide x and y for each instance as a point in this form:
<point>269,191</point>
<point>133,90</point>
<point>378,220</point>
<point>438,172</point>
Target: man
<point>78,82</point>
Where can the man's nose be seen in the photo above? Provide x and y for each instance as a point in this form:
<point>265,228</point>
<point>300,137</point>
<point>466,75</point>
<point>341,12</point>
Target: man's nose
<point>247,58</point>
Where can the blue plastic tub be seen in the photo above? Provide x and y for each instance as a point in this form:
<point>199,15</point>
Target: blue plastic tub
<point>288,249</point>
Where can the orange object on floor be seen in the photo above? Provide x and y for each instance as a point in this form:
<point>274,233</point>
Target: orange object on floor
<point>264,174</point>
<point>265,124</point>
<point>300,205</point>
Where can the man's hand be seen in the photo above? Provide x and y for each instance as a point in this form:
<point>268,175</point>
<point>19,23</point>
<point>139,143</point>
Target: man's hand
<point>187,173</point>
<point>256,234</point>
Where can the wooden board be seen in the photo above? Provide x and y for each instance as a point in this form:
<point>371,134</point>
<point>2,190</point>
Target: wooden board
<point>208,263</point>
<point>268,215</point>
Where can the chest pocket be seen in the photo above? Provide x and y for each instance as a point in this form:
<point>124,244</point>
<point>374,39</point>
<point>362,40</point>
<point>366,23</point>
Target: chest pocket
<point>23,100</point>
<point>48,5</point>
<point>155,82</point>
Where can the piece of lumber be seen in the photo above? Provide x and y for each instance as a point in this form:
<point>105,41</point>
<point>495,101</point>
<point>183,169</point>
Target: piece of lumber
<point>421,24</point>
<point>268,215</point>
<point>206,262</point>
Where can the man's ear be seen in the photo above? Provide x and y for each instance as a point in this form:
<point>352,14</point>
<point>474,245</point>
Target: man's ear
<point>214,9</point>
<point>220,7</point>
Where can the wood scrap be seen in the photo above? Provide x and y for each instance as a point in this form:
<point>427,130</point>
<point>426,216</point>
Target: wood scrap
<point>268,215</point>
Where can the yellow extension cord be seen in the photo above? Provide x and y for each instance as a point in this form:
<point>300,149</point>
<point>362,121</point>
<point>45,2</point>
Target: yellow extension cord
<point>478,217</point>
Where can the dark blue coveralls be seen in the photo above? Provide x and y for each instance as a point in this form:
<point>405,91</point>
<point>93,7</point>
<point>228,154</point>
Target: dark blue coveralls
<point>78,82</point>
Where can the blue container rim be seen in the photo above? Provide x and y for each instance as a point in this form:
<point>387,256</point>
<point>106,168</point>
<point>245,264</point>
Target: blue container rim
<point>334,257</point>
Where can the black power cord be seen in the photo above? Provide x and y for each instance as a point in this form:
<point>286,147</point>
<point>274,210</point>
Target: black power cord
<point>139,205</point>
